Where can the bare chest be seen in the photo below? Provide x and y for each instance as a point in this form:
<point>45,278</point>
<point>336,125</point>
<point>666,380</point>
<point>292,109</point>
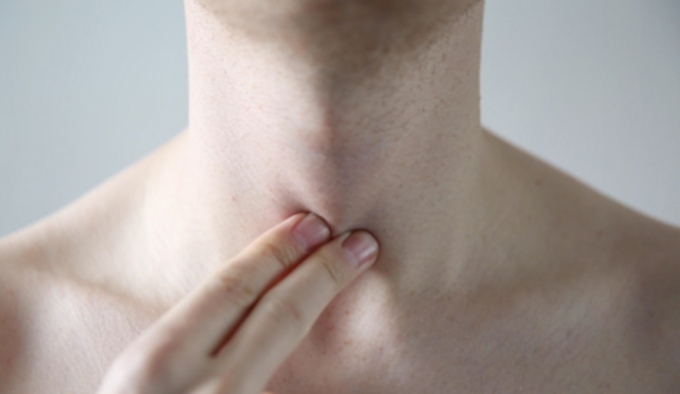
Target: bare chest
<point>583,343</point>
<point>66,337</point>
<point>69,339</point>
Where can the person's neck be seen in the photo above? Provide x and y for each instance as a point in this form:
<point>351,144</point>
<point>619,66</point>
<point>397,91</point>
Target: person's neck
<point>388,142</point>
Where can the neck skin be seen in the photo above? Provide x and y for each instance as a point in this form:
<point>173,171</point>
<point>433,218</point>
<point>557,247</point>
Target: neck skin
<point>368,117</point>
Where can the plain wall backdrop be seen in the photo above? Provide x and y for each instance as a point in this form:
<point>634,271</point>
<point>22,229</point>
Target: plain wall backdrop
<point>89,87</point>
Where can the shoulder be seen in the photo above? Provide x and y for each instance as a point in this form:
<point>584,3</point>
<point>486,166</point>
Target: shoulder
<point>652,250</point>
<point>21,292</point>
<point>625,265</point>
<point>57,333</point>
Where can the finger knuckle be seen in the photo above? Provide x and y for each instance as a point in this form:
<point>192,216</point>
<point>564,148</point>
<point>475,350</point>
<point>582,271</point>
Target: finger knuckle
<point>335,271</point>
<point>146,368</point>
<point>227,382</point>
<point>285,313</point>
<point>155,364</point>
<point>232,288</point>
<point>284,253</point>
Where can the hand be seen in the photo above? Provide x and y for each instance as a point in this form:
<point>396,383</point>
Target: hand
<point>231,333</point>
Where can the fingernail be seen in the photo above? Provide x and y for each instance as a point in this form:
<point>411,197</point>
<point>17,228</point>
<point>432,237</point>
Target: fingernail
<point>311,231</point>
<point>362,248</point>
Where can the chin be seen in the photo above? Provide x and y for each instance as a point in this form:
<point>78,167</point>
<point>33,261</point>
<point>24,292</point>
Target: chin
<point>334,12</point>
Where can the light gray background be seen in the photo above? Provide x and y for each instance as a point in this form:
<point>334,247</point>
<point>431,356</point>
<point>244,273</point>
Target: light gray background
<point>87,87</point>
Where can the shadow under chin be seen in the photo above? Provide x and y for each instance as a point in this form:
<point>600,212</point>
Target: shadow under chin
<point>334,25</point>
<point>349,42</point>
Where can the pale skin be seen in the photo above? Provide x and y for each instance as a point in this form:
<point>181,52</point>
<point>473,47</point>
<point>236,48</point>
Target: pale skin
<point>497,272</point>
<point>231,333</point>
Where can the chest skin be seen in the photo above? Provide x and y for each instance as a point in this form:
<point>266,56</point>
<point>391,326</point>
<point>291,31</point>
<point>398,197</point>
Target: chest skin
<point>582,337</point>
<point>595,333</point>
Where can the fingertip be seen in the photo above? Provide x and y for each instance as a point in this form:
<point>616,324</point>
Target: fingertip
<point>311,231</point>
<point>361,248</point>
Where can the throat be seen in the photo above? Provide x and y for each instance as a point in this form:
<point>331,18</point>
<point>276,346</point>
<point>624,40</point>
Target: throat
<point>380,139</point>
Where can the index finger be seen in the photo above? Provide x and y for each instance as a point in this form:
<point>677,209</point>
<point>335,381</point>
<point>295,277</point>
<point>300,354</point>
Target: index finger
<point>175,351</point>
<point>198,323</point>
<point>286,313</point>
